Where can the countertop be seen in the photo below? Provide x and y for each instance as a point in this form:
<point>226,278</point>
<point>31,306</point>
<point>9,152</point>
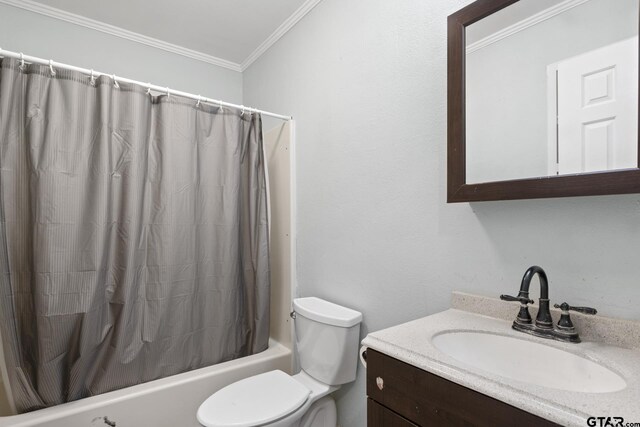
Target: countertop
<point>411,343</point>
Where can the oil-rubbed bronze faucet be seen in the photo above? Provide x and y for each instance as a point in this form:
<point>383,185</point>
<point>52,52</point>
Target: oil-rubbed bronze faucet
<point>543,326</point>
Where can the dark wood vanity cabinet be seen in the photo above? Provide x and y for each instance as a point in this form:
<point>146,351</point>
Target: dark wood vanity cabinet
<point>400,394</point>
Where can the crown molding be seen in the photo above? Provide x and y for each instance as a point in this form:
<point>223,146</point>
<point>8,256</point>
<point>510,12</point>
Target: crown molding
<point>82,21</point>
<point>295,17</point>
<point>524,24</point>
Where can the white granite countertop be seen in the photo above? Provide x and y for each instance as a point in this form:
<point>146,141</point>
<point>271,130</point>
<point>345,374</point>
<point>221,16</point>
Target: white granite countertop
<point>411,343</point>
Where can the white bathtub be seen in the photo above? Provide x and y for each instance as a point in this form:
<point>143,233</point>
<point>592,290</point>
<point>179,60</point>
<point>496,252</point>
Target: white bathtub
<point>168,402</point>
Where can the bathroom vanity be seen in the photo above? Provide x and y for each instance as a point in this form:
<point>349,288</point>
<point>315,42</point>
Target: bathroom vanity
<point>402,395</point>
<point>467,366</point>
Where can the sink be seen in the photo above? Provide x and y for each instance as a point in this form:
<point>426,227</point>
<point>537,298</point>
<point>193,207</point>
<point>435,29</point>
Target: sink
<point>528,361</point>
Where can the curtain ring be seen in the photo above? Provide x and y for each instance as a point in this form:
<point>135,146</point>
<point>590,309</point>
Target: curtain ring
<point>148,88</point>
<point>53,72</point>
<point>93,78</point>
<point>220,107</point>
<point>21,61</point>
<point>199,99</point>
<point>115,81</point>
<point>168,94</point>
<point>242,113</point>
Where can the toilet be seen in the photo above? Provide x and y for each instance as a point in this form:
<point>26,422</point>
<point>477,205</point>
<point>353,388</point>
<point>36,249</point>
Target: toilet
<point>327,337</point>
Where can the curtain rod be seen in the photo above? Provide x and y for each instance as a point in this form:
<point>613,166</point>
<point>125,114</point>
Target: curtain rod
<point>166,90</point>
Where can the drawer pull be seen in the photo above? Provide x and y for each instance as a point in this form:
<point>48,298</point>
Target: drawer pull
<point>380,383</point>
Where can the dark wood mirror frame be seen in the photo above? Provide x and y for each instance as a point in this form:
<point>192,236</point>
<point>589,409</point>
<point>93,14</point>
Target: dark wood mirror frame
<point>624,181</point>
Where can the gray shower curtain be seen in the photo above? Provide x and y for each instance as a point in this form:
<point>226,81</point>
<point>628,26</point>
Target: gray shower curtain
<point>133,235</point>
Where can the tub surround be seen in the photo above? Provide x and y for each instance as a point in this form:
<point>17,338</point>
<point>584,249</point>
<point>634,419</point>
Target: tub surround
<point>615,343</point>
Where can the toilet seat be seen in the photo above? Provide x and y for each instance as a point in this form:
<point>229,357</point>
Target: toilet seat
<point>253,401</point>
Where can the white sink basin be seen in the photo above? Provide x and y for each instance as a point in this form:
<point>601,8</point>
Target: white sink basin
<point>528,361</point>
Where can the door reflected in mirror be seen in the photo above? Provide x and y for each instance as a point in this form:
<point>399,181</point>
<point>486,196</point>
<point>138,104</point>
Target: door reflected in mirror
<point>552,89</point>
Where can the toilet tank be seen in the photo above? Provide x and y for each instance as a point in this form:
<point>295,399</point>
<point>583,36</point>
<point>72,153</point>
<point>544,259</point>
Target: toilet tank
<point>327,337</point>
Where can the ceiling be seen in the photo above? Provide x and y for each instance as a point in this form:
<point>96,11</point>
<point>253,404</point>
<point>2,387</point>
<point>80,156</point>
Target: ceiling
<point>230,30</point>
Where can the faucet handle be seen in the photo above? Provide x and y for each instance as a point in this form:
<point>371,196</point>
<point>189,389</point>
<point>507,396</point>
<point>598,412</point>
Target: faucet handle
<point>584,310</point>
<point>522,300</point>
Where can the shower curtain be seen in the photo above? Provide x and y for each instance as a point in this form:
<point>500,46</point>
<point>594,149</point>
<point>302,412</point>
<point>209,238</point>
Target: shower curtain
<point>133,234</point>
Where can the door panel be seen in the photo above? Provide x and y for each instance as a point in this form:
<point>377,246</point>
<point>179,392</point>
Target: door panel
<point>598,109</point>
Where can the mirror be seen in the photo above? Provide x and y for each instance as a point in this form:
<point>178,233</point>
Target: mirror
<point>543,99</point>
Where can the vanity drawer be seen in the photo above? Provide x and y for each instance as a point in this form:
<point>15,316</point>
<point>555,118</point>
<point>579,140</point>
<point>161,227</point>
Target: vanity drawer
<point>429,400</point>
<point>378,415</point>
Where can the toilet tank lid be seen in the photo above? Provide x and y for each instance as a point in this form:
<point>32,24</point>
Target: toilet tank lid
<point>326,312</point>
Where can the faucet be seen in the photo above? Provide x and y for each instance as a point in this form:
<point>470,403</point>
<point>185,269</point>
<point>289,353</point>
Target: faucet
<point>543,326</point>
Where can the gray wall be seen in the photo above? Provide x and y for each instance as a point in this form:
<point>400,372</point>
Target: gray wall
<point>38,35</point>
<point>506,86</point>
<point>366,82</point>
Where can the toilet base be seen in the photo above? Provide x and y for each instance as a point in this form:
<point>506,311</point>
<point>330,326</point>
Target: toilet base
<point>321,414</point>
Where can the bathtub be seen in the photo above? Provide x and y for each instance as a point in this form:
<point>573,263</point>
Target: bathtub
<point>168,402</point>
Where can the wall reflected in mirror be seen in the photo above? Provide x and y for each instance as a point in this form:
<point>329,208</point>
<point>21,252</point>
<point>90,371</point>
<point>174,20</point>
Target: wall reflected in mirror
<point>552,89</point>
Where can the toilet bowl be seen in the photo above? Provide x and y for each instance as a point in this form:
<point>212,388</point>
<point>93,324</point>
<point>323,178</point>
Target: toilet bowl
<point>273,398</point>
<point>327,338</point>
